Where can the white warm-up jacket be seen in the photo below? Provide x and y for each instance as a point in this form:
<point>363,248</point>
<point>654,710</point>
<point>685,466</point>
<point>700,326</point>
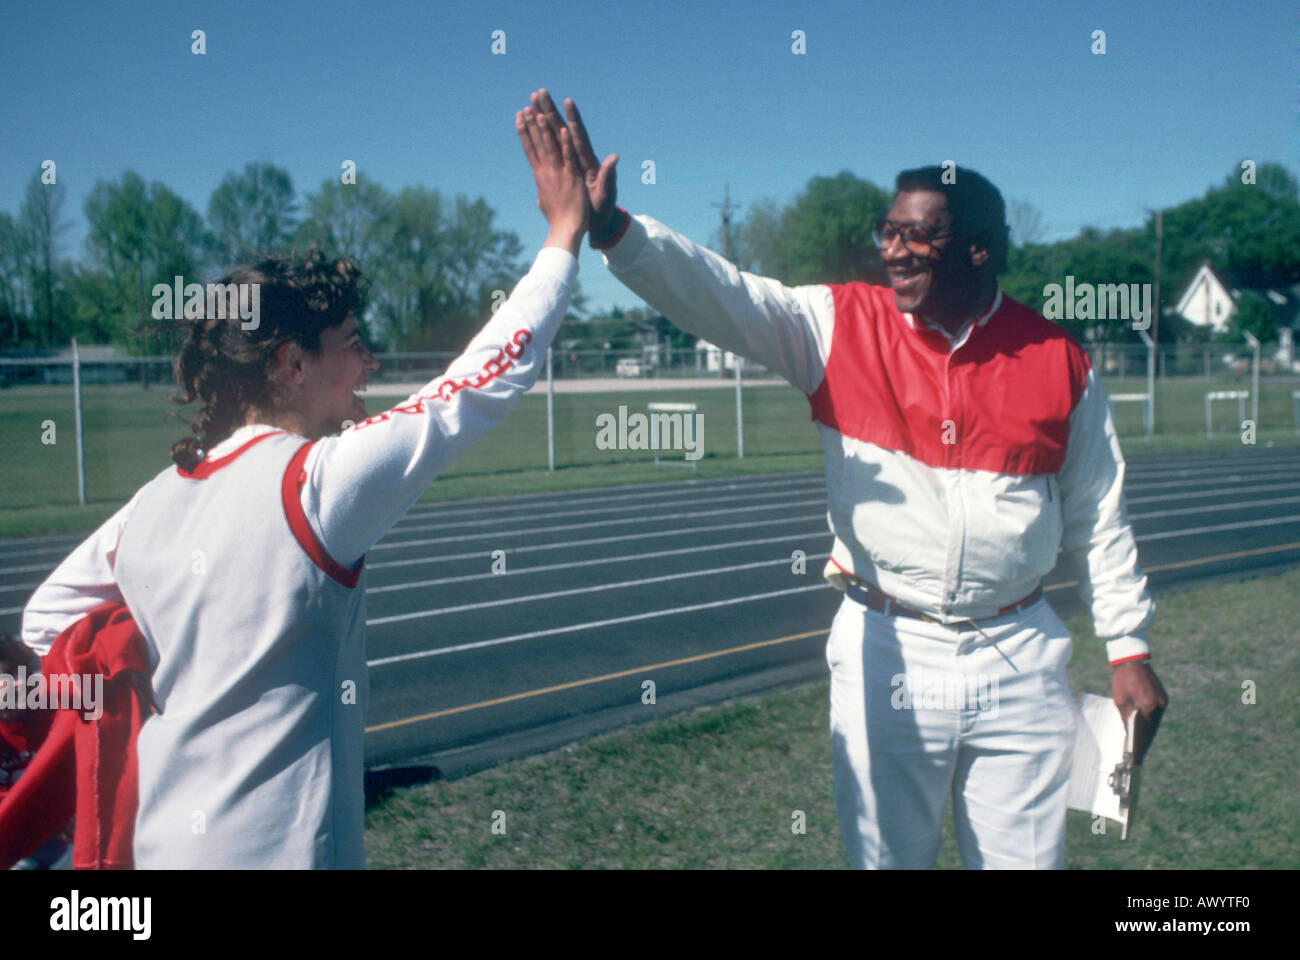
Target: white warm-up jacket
<point>957,469</point>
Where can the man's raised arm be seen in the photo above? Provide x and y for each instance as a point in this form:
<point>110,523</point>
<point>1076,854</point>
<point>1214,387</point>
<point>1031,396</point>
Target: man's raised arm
<point>787,329</point>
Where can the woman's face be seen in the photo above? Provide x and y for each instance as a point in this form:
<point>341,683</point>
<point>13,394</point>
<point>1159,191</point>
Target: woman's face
<point>328,397</point>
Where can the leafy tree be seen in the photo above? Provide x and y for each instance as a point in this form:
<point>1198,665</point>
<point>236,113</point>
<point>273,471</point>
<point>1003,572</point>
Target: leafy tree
<point>347,220</point>
<point>41,220</point>
<point>251,212</point>
<point>1254,313</point>
<point>15,292</point>
<point>824,236</point>
<point>441,271</point>
<point>140,236</point>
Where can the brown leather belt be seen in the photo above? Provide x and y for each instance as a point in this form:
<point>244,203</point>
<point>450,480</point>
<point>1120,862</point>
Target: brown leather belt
<point>873,598</point>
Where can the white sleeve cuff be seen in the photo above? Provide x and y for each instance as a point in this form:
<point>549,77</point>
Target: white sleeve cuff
<point>556,263</point>
<point>1122,649</point>
<point>623,253</point>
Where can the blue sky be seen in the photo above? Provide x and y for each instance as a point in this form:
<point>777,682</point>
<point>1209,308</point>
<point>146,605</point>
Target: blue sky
<point>711,92</point>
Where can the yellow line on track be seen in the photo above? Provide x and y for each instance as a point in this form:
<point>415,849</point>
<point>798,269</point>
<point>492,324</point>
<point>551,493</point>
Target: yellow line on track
<point>764,643</point>
<point>590,680</point>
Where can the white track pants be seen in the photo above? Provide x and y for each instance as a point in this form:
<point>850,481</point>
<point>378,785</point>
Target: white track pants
<point>919,710</point>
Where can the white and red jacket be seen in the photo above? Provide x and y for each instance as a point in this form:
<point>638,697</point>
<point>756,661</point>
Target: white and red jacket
<point>246,578</point>
<point>956,468</point>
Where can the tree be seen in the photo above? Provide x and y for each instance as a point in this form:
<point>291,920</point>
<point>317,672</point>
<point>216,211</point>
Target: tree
<point>41,220</point>
<point>441,271</point>
<point>1254,313</point>
<point>347,220</point>
<point>15,292</point>
<point>823,236</point>
<point>827,231</point>
<point>139,236</point>
<point>251,212</point>
<point>756,241</point>
<point>1026,222</point>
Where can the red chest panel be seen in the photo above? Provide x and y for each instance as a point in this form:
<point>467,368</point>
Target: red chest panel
<point>1000,403</point>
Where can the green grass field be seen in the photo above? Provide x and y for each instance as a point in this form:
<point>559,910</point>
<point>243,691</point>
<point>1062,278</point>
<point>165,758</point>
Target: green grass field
<point>716,788</point>
<point>128,433</point>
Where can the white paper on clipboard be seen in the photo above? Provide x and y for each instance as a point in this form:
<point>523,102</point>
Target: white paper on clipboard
<point>1101,741</point>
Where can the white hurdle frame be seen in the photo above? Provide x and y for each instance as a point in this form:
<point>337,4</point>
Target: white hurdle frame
<point>1144,398</point>
<point>689,410</point>
<point>1238,395</point>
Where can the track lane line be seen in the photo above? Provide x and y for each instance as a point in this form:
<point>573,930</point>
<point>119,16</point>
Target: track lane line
<point>590,680</point>
<point>765,643</point>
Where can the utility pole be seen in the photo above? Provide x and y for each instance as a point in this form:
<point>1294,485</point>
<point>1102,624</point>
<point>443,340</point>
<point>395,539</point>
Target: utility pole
<point>1155,323</point>
<point>726,220</point>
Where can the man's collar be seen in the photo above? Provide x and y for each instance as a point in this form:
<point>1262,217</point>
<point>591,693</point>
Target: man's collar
<point>958,338</point>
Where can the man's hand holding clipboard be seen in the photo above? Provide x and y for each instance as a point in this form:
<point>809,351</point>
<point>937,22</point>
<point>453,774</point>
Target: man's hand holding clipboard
<point>1135,687</point>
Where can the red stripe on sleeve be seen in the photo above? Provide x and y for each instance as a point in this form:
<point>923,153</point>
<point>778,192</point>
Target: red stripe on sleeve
<point>294,478</point>
<point>1136,656</point>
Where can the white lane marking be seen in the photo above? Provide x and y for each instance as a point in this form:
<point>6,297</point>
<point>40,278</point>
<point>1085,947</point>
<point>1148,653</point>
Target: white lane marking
<point>1213,458</point>
<point>1235,474</point>
<point>31,568</point>
<point>1218,491</point>
<point>593,541</point>
<point>570,564</point>
<point>31,585</point>
<point>1247,479</point>
<point>667,491</point>
<point>733,498</point>
<point>400,527</point>
<point>1266,522</point>
<point>63,549</point>
<point>1215,507</point>
<point>656,518</point>
<point>594,588</point>
<point>592,625</point>
<point>73,538</point>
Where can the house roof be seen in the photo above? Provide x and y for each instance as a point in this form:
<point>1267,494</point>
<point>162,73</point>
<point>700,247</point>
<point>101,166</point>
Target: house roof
<point>1280,292</point>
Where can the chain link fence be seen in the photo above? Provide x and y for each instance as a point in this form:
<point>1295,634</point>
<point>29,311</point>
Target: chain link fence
<point>589,412</point>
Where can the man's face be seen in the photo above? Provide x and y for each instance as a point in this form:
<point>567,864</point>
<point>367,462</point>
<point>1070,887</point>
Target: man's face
<point>340,369</point>
<point>927,278</point>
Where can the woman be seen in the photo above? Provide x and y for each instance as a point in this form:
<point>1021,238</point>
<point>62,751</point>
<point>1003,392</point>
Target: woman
<point>243,564</point>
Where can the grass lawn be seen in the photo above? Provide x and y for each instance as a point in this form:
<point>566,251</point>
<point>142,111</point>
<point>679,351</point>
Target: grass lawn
<point>717,787</point>
<point>128,433</point>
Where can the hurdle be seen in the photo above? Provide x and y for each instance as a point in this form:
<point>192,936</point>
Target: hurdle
<point>1144,399</point>
<point>1238,395</point>
<point>684,408</point>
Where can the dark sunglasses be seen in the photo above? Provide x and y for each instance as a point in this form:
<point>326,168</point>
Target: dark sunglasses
<point>914,235</point>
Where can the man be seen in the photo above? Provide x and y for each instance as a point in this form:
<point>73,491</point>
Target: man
<point>967,441</point>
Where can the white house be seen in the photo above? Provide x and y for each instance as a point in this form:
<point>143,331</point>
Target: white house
<point>713,358</point>
<point>1212,294</point>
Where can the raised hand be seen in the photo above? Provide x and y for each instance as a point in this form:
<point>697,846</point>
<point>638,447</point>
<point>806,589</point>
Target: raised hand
<point>601,179</point>
<point>561,184</point>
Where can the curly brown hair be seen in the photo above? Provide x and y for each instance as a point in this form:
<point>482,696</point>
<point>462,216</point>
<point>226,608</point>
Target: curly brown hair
<point>228,368</point>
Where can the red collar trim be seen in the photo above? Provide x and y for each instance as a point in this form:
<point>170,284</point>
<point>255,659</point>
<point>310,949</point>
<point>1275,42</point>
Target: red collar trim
<point>207,467</point>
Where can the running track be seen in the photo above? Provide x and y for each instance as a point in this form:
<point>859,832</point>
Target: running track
<point>687,584</point>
